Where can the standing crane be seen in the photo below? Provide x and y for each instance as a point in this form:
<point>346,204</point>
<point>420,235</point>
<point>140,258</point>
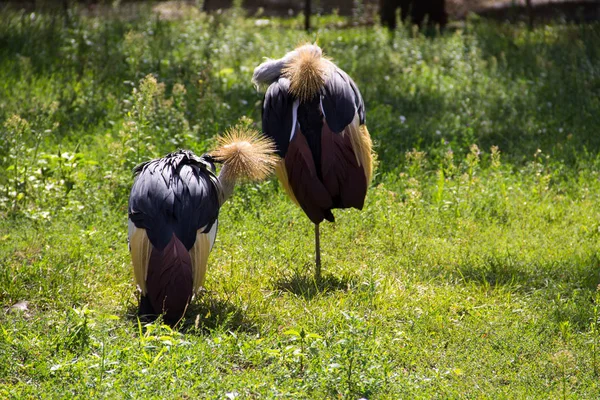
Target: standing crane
<point>315,114</point>
<point>173,217</point>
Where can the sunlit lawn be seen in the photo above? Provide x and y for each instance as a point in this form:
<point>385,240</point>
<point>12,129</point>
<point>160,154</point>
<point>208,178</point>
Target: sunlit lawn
<point>470,273</point>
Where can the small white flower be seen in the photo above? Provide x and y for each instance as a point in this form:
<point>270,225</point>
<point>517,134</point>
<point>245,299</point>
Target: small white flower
<point>402,119</point>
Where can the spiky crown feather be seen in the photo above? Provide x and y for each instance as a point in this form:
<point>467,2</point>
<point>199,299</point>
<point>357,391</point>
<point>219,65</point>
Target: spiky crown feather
<point>306,72</point>
<point>305,67</point>
<point>245,154</point>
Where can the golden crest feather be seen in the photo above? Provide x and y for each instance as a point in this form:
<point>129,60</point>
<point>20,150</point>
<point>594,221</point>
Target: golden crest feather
<point>306,71</point>
<point>246,154</point>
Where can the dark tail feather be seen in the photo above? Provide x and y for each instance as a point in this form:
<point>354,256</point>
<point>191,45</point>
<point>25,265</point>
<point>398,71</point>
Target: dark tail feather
<point>306,185</point>
<point>169,283</point>
<point>344,179</point>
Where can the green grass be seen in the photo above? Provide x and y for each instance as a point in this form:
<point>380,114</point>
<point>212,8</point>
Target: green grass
<point>472,271</point>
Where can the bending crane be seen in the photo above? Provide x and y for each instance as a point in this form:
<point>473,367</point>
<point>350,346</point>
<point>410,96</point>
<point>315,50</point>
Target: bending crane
<point>173,217</point>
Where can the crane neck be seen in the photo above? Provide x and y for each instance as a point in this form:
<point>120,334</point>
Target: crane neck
<point>226,185</point>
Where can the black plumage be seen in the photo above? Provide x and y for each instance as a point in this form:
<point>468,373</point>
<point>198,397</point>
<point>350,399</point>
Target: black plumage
<point>176,194</point>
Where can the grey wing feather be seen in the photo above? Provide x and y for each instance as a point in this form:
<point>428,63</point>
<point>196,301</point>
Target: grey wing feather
<point>358,100</point>
<point>277,115</point>
<point>340,101</point>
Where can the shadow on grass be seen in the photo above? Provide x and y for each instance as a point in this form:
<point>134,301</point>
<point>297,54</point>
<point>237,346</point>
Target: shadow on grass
<point>304,284</point>
<point>528,276</point>
<point>205,314</point>
<point>208,313</point>
<point>558,291</point>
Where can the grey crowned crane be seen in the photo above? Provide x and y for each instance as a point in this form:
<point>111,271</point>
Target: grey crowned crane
<point>173,217</point>
<point>315,114</point>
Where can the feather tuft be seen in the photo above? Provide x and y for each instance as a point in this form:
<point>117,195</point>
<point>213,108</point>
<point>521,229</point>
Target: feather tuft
<point>245,155</point>
<point>307,71</point>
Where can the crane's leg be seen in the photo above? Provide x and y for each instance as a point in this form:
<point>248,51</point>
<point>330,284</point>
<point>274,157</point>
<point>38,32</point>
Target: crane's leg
<point>317,255</point>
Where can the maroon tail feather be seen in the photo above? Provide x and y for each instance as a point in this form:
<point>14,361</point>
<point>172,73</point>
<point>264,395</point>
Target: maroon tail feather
<point>344,179</point>
<point>169,281</point>
<point>343,183</point>
<point>306,185</point>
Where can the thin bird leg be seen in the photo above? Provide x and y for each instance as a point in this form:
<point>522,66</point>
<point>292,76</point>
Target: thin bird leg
<point>317,254</point>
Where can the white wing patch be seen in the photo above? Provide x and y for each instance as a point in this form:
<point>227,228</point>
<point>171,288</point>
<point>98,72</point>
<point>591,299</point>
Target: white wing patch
<point>322,108</point>
<point>294,118</point>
